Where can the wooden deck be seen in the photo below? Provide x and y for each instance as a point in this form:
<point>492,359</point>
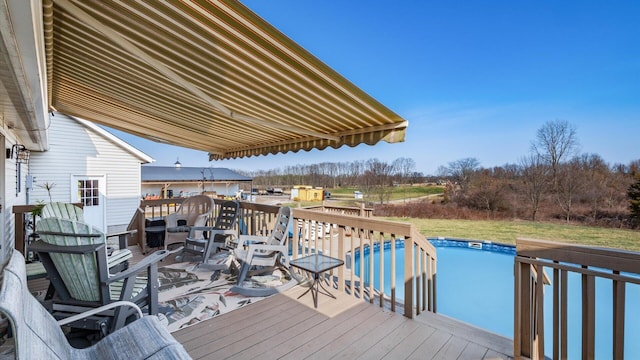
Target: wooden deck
<point>282,327</point>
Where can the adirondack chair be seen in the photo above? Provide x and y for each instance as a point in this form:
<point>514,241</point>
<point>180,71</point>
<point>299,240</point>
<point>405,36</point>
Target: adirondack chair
<point>194,211</point>
<point>37,335</point>
<point>74,255</point>
<point>262,255</point>
<point>118,255</point>
<point>212,237</point>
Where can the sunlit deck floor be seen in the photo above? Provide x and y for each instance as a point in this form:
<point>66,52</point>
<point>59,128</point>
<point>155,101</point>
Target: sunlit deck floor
<point>284,327</point>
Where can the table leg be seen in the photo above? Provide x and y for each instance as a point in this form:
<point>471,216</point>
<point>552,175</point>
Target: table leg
<point>325,292</point>
<point>315,290</point>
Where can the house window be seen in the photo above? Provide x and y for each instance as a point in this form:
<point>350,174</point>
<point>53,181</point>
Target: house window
<point>88,193</point>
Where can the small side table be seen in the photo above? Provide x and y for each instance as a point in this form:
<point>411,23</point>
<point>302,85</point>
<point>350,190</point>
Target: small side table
<point>316,264</point>
<point>153,234</point>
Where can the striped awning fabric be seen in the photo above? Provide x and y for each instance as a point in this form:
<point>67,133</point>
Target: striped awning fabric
<point>208,75</point>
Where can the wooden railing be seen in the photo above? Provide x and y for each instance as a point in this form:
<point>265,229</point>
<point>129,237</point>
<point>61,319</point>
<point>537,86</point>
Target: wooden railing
<point>346,210</point>
<point>533,257</point>
<point>159,208</point>
<point>20,213</point>
<point>253,218</point>
<point>341,236</point>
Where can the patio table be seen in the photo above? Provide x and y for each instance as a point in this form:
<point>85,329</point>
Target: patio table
<point>316,264</point>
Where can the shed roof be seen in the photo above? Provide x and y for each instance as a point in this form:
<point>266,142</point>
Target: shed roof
<point>189,174</point>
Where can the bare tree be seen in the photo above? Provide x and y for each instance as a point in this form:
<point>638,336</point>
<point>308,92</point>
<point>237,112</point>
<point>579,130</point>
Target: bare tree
<point>486,191</point>
<point>461,171</point>
<point>569,185</point>
<point>404,168</point>
<point>535,178</point>
<point>555,141</point>
<point>598,182</point>
<point>378,178</point>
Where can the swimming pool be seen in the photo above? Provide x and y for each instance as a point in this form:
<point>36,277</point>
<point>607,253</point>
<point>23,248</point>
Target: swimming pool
<point>475,285</point>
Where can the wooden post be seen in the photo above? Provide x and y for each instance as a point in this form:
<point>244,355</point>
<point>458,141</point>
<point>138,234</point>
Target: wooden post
<point>618,318</point>
<point>408,277</point>
<point>523,324</point>
<point>392,268</point>
<point>341,252</point>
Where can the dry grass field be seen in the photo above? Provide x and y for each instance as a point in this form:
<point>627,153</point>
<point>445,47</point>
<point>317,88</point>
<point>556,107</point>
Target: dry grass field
<point>508,231</point>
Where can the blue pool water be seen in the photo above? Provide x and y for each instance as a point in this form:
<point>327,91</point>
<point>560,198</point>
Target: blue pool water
<point>476,286</point>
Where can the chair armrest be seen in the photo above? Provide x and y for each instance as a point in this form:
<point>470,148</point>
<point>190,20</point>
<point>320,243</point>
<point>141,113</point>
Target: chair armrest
<point>261,248</point>
<point>148,261</point>
<point>171,220</point>
<point>212,231</point>
<point>100,309</point>
<point>41,246</point>
<point>244,240</point>
<point>122,237</point>
<point>201,219</point>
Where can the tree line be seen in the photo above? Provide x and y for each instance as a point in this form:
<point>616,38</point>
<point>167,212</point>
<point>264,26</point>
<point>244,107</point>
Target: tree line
<point>553,181</point>
<point>358,174</point>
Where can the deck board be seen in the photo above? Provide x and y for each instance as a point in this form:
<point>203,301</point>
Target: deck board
<point>451,349</point>
<point>473,352</point>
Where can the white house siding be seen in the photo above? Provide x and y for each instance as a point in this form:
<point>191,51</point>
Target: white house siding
<point>9,196</point>
<point>78,150</point>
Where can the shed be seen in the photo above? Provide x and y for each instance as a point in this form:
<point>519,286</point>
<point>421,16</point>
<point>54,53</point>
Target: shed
<point>306,193</point>
<point>181,181</point>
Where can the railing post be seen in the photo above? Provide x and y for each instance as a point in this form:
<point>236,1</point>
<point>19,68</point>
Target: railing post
<point>523,311</point>
<point>408,277</point>
<point>588,316</point>
<point>341,252</point>
<point>433,274</point>
<point>19,233</point>
<point>618,318</point>
<point>392,268</point>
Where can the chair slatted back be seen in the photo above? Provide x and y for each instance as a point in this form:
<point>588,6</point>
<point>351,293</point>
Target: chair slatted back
<point>227,215</point>
<point>280,231</point>
<point>62,210</point>
<point>193,208</point>
<point>79,272</point>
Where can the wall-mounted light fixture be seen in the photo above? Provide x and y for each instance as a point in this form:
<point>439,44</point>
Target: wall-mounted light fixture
<point>19,152</point>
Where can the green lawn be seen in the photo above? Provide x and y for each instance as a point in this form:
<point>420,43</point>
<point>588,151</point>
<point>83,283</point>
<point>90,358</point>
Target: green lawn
<point>508,231</point>
<point>397,192</point>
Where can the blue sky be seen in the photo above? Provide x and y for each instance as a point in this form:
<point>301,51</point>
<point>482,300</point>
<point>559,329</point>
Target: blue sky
<point>473,78</point>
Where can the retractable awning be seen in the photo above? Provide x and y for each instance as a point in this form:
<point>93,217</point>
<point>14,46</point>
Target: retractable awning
<point>207,75</point>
